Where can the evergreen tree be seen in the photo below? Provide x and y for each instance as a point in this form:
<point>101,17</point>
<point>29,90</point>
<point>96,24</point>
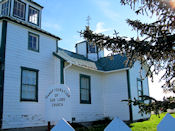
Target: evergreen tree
<point>156,49</point>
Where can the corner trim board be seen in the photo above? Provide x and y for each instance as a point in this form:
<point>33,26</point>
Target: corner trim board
<point>129,95</point>
<point>2,66</point>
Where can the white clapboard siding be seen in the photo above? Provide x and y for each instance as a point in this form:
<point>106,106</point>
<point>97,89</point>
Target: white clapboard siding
<point>134,74</point>
<point>85,112</point>
<point>25,114</point>
<point>115,90</point>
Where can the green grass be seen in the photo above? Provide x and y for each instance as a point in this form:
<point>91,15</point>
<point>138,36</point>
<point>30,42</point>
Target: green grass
<point>149,125</point>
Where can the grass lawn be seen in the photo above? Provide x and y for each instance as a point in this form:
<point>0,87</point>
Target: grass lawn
<point>149,125</point>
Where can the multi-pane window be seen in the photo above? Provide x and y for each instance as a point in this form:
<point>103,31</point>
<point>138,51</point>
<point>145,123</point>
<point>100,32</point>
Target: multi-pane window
<point>140,89</point>
<point>33,15</point>
<point>33,43</point>
<point>19,9</point>
<point>91,48</point>
<point>85,95</point>
<point>29,84</point>
<point>4,8</point>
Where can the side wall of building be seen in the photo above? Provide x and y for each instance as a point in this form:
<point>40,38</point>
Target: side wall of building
<point>115,90</point>
<point>85,112</point>
<point>133,76</point>
<point>82,49</point>
<point>19,113</point>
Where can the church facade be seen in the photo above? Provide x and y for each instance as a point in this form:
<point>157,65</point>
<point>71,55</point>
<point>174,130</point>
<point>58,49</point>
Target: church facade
<point>31,63</point>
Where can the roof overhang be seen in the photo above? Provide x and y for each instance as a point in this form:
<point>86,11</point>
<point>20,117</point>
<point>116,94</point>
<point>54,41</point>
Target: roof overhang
<point>66,58</point>
<point>29,26</point>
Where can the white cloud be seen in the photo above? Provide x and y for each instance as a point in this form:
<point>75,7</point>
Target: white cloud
<point>106,8</point>
<point>100,28</point>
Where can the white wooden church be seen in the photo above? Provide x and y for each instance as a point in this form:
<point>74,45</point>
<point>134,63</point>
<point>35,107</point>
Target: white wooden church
<point>40,82</point>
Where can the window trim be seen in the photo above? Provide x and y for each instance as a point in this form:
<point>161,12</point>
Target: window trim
<point>89,48</point>
<point>7,7</point>
<point>38,42</point>
<point>138,79</point>
<point>83,101</point>
<point>38,20</point>
<point>37,76</point>
<point>24,10</point>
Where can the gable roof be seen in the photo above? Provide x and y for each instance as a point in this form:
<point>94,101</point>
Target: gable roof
<point>115,62</point>
<point>103,64</point>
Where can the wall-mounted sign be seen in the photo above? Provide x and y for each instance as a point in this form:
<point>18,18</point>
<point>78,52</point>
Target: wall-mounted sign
<point>58,104</point>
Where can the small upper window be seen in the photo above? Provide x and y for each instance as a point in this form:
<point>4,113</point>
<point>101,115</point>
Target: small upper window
<point>19,9</point>
<point>33,16</point>
<point>140,89</point>
<point>91,48</point>
<point>4,9</point>
<point>33,43</point>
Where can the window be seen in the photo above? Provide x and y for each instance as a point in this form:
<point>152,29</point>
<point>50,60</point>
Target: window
<point>33,43</point>
<point>91,48</point>
<point>29,84</point>
<point>85,95</point>
<point>19,9</point>
<point>33,16</point>
<point>4,8</point>
<point>140,89</point>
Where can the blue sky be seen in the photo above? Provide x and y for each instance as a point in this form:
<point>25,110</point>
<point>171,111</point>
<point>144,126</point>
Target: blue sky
<point>65,18</point>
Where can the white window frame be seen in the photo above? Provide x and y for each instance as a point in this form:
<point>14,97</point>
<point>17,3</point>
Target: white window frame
<point>5,10</point>
<point>90,46</point>
<point>33,19</point>
<point>83,87</point>
<point>31,44</point>
<point>24,83</point>
<point>22,13</point>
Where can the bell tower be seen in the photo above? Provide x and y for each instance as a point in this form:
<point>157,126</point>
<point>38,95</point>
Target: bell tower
<point>89,50</point>
<point>26,11</point>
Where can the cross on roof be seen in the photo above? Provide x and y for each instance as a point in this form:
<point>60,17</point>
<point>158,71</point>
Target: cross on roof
<point>88,20</point>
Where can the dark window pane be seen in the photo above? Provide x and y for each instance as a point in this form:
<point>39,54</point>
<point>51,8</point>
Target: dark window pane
<point>33,42</point>
<point>4,8</point>
<point>19,9</point>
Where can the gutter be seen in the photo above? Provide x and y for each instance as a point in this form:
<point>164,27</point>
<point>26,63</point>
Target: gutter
<point>65,68</point>
<point>68,66</point>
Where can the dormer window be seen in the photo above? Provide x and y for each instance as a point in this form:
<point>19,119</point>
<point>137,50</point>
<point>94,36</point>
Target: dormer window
<point>4,9</point>
<point>91,48</point>
<point>19,9</point>
<point>33,16</point>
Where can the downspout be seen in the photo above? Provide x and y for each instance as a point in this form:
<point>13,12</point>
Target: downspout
<point>65,68</point>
